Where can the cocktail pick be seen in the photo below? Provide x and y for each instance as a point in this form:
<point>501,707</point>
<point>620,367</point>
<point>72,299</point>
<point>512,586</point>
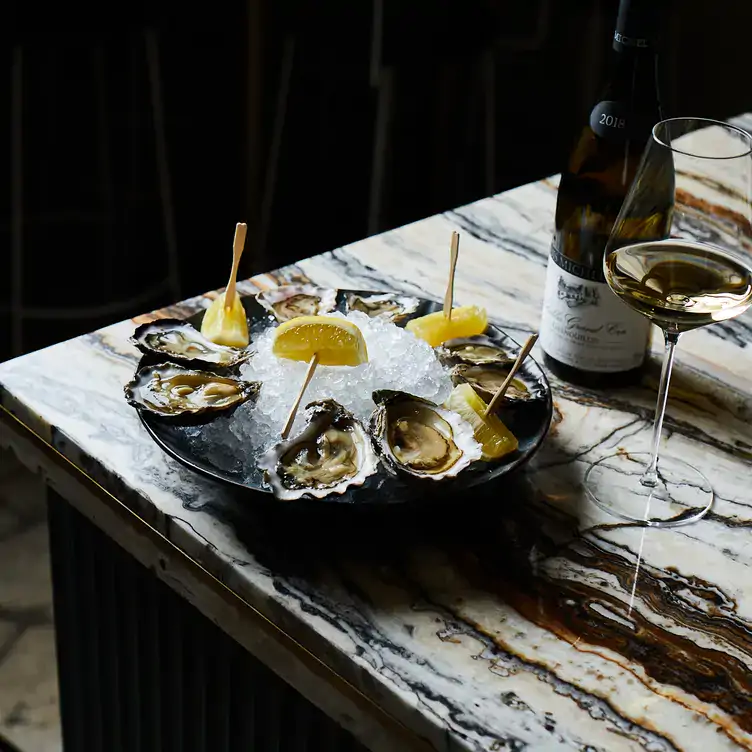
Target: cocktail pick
<point>527,347</point>
<point>238,244</point>
<point>449,296</point>
<point>312,363</point>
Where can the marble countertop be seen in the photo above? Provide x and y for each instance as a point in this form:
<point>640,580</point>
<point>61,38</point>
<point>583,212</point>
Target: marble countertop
<point>526,620</point>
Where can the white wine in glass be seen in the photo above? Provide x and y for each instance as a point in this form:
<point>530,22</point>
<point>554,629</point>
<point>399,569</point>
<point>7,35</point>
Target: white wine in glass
<point>679,285</point>
<point>699,275</point>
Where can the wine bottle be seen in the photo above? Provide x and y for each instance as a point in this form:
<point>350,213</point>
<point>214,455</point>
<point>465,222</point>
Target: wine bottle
<point>588,335</point>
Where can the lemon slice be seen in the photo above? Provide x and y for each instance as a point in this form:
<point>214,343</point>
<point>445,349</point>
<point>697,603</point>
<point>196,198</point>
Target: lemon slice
<point>435,328</point>
<point>226,326</point>
<point>494,437</point>
<point>336,341</point>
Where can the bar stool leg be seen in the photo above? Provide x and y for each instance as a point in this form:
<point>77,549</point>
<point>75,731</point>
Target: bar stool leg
<point>16,193</point>
<point>489,70</point>
<point>270,178</point>
<point>380,149</point>
<point>163,169</point>
<point>382,79</point>
<point>104,165</point>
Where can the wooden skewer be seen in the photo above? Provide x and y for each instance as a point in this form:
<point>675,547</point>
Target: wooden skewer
<point>238,244</point>
<point>528,346</point>
<point>312,363</point>
<point>449,297</point>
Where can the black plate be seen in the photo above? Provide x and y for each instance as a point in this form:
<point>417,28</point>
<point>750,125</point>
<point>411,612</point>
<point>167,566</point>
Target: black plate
<point>229,465</point>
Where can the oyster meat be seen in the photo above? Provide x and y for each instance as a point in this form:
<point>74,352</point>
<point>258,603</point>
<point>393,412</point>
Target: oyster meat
<point>385,305</point>
<point>419,438</point>
<point>486,380</point>
<point>473,351</point>
<point>171,391</point>
<point>181,342</point>
<point>289,301</point>
<point>332,453</point>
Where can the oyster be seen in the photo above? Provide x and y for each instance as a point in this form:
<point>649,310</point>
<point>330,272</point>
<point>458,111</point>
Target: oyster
<point>171,391</point>
<point>420,438</point>
<point>474,351</point>
<point>179,341</point>
<point>289,301</point>
<point>330,454</point>
<point>384,305</point>
<point>486,380</point>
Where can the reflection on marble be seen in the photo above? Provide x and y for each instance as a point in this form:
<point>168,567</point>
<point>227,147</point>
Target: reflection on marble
<point>523,616</point>
<point>29,713</point>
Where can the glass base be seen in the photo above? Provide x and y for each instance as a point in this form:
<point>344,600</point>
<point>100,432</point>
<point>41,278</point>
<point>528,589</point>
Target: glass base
<point>681,495</point>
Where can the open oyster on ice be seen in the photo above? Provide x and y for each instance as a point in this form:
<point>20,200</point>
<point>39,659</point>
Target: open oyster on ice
<point>387,305</point>
<point>180,341</point>
<point>473,351</point>
<point>332,453</point>
<point>419,438</point>
<point>289,301</point>
<point>172,391</point>
<point>486,380</point>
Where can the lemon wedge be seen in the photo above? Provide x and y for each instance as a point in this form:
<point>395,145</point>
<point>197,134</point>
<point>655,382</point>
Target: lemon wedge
<point>494,437</point>
<point>226,326</point>
<point>337,342</point>
<point>435,328</point>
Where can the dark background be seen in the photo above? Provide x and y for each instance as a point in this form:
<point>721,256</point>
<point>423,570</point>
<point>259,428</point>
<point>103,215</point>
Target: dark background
<point>138,139</point>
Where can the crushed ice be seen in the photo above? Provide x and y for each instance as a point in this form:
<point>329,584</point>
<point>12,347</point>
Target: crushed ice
<point>397,360</point>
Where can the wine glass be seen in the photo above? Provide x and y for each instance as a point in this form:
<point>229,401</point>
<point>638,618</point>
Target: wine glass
<point>693,186</point>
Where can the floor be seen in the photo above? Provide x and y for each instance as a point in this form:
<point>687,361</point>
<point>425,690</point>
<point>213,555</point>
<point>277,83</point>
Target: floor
<point>29,712</point>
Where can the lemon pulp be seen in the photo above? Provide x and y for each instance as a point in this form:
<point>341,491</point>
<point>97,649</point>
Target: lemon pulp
<point>435,328</point>
<point>336,341</point>
<point>494,437</point>
<point>226,326</point>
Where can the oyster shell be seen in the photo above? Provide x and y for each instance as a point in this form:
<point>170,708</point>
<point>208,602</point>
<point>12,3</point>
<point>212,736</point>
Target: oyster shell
<point>474,351</point>
<point>332,453</point>
<point>384,305</point>
<point>171,391</point>
<point>419,438</point>
<point>289,301</point>
<point>181,342</point>
<point>486,380</point>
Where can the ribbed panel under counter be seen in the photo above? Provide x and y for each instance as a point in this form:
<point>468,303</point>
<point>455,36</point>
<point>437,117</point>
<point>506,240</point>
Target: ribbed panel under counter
<point>141,670</point>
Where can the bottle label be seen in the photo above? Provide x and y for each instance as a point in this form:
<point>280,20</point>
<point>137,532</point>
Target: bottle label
<point>609,121</point>
<point>624,41</point>
<point>637,23</point>
<point>613,122</point>
<point>585,325</point>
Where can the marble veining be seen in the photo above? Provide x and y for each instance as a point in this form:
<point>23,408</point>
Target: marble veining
<point>522,617</point>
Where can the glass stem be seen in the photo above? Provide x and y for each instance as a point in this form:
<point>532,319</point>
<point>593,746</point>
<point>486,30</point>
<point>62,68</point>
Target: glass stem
<point>650,478</point>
